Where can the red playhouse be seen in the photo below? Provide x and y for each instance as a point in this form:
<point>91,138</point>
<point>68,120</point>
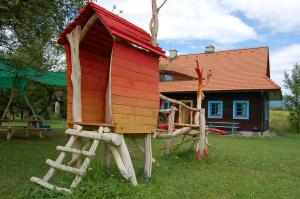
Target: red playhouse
<point>113,90</point>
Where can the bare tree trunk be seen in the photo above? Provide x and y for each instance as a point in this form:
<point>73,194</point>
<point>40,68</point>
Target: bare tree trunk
<point>153,25</point>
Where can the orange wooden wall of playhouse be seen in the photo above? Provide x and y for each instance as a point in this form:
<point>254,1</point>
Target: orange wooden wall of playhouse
<point>135,91</point>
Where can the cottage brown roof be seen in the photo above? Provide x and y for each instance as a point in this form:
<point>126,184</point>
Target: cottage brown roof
<point>242,69</point>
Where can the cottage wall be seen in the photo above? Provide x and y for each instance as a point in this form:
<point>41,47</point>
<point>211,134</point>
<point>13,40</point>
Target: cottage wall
<point>256,107</point>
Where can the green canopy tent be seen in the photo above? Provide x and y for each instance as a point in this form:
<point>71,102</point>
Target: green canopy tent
<point>16,77</point>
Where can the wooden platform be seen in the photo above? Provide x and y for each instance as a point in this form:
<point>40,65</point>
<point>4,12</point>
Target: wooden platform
<point>93,124</point>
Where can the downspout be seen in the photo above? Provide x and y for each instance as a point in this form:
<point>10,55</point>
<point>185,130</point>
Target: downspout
<point>262,112</point>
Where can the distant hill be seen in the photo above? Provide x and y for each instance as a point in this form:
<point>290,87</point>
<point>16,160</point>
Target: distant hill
<point>276,103</point>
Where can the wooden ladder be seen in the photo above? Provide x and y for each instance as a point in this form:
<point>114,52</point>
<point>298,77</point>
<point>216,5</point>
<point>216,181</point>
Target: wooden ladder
<point>95,136</point>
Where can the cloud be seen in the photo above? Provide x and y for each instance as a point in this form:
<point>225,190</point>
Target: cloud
<point>283,59</point>
<point>188,20</point>
<point>279,15</point>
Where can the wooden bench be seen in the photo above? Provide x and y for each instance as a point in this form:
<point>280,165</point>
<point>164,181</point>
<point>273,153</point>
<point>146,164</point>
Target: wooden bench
<point>35,126</point>
<point>224,125</point>
<point>28,130</point>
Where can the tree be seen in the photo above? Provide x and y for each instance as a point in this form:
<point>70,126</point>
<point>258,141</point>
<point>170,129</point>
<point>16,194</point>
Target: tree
<point>292,83</point>
<point>28,30</point>
<point>153,25</point>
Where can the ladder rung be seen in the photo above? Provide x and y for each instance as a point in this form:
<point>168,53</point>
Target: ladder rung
<point>48,185</point>
<point>76,151</point>
<point>64,167</point>
<point>86,134</point>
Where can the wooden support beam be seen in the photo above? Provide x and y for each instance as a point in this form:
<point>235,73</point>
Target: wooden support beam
<point>201,145</point>
<point>113,138</point>
<point>148,157</point>
<point>123,150</point>
<point>106,158</point>
<point>88,25</point>
<point>176,133</point>
<point>120,164</point>
<point>168,110</point>
<point>178,103</point>
<point>74,41</point>
<point>171,119</point>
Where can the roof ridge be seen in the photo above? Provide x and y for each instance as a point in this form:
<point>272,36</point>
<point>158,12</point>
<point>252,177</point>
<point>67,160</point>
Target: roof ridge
<point>94,5</point>
<point>223,51</point>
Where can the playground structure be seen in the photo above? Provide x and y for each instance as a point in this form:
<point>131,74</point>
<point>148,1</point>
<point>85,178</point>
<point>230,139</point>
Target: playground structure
<point>168,129</point>
<point>113,91</point>
<point>112,83</point>
<point>16,79</point>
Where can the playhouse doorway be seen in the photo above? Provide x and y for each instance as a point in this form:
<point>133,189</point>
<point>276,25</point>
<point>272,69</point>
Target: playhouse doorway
<point>95,54</point>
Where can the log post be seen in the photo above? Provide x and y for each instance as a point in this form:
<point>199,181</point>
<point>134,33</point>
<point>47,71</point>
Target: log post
<point>171,119</point>
<point>123,150</point>
<point>106,159</point>
<point>148,157</point>
<point>201,145</point>
<point>74,40</point>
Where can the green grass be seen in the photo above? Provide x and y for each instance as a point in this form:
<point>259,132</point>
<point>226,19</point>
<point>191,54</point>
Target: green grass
<point>237,167</point>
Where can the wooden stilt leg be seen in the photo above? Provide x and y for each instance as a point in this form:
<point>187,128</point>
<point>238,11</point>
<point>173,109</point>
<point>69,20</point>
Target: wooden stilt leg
<point>127,161</point>
<point>106,159</point>
<point>148,157</point>
<point>119,161</point>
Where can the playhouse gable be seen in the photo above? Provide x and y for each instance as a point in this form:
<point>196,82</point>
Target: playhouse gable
<point>116,25</point>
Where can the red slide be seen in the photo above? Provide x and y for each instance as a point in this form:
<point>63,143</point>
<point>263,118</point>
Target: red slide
<point>217,131</point>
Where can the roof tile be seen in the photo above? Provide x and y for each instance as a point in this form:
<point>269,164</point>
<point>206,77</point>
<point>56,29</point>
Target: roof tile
<point>242,69</point>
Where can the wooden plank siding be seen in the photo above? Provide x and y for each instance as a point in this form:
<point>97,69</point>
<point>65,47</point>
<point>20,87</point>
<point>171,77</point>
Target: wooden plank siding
<point>135,91</point>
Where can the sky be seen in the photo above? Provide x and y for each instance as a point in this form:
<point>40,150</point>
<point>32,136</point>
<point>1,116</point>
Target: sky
<point>190,25</point>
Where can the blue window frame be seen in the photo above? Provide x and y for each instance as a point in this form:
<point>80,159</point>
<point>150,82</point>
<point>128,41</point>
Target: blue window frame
<point>215,109</point>
<point>241,109</point>
<point>165,105</point>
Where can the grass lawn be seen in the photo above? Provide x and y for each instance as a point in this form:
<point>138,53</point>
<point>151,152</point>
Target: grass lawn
<point>237,167</point>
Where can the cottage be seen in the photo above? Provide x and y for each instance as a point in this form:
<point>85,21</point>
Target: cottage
<point>238,90</point>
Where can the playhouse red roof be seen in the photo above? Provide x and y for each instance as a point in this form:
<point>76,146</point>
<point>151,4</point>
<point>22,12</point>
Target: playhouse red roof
<point>241,69</point>
<point>116,25</point>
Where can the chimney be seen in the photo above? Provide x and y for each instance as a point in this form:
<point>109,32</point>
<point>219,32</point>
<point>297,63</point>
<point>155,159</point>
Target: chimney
<point>172,53</point>
<point>209,49</point>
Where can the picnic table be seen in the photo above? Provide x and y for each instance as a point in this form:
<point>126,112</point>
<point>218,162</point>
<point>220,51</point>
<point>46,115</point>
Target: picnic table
<point>224,125</point>
<point>33,126</point>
